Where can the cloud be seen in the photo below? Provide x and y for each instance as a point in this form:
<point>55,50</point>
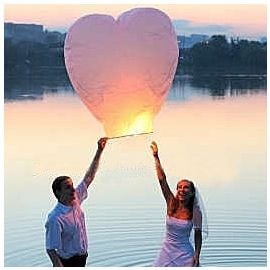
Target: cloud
<point>186,27</point>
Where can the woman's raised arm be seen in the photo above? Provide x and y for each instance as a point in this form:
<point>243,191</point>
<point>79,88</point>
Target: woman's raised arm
<point>168,195</point>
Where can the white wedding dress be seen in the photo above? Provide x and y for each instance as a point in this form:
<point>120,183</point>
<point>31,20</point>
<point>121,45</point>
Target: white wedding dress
<point>176,249</point>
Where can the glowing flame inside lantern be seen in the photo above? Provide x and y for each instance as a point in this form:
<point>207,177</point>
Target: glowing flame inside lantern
<point>122,69</point>
<point>130,124</point>
<point>141,124</point>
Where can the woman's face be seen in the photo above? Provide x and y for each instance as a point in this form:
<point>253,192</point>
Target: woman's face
<point>184,190</point>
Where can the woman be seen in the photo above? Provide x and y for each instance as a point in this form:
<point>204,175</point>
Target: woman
<point>183,214</point>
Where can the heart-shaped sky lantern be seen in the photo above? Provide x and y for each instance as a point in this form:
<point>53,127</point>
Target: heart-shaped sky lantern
<point>122,69</point>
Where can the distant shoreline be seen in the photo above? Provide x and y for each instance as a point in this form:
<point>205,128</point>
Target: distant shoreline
<point>49,71</point>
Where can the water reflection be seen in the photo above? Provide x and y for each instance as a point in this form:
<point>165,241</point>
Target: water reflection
<point>229,85</point>
<point>34,88</point>
<point>183,87</point>
<point>220,144</point>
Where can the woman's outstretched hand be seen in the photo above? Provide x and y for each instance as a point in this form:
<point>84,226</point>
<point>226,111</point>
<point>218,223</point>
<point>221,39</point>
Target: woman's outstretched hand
<point>154,148</point>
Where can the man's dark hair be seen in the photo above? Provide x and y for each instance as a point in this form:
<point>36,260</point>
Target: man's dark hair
<point>56,185</point>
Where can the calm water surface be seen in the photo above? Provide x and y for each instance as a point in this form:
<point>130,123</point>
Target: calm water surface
<point>211,132</point>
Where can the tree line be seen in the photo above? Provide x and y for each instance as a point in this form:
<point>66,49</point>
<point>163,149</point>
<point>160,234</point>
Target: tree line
<point>213,55</point>
<point>219,55</point>
<point>29,57</point>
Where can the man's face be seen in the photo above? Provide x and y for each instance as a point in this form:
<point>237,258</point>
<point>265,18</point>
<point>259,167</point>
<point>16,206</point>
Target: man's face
<point>66,193</point>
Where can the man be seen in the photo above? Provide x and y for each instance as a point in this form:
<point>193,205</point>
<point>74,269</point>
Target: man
<point>66,239</point>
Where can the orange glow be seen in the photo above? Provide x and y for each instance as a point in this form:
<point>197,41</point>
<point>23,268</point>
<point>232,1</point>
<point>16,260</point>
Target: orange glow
<point>136,115</point>
<point>142,123</point>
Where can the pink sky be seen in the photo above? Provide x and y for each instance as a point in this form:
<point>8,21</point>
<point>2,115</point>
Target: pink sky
<point>247,20</point>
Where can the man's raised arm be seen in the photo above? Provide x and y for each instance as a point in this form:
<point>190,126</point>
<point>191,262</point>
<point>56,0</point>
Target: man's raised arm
<point>91,172</point>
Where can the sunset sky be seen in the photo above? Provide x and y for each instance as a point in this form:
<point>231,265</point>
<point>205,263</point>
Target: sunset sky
<point>243,20</point>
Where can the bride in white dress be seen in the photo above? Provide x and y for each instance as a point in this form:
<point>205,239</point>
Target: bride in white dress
<point>183,215</point>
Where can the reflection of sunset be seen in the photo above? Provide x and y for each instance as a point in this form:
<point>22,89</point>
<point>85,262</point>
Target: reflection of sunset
<point>204,140</point>
<point>212,141</point>
<point>36,125</point>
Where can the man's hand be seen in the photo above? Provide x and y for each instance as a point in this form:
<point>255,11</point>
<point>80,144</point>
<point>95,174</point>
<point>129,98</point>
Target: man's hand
<point>154,148</point>
<point>102,142</point>
<point>54,258</point>
<point>196,261</point>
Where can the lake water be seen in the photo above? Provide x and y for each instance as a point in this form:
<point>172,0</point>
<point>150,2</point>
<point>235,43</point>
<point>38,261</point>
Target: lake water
<point>209,130</point>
